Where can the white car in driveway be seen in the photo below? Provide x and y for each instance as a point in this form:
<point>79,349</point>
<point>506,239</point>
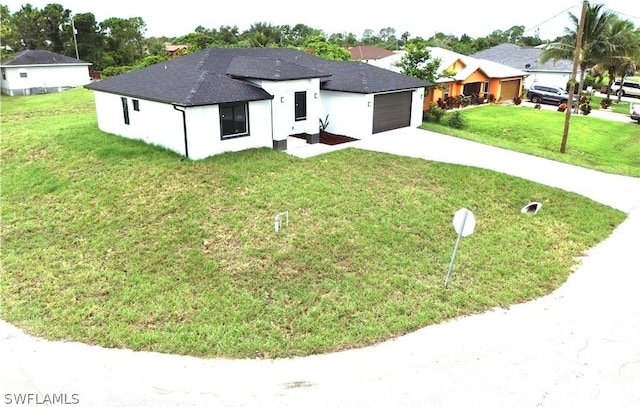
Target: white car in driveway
<point>628,88</point>
<point>634,112</point>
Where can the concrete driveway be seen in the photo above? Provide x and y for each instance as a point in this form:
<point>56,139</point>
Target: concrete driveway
<point>579,346</point>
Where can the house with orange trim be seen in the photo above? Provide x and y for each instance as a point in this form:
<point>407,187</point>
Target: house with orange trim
<point>466,76</point>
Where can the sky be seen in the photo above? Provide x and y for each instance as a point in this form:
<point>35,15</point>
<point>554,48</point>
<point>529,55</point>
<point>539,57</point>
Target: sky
<point>474,18</point>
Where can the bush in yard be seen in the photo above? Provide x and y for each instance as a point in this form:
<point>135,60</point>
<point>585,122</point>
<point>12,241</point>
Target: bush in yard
<point>517,100</point>
<point>585,105</point>
<point>605,103</point>
<point>456,120</point>
<point>447,103</point>
<point>434,114</point>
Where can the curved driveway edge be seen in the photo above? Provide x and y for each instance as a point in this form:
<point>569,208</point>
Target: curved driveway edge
<point>579,346</point>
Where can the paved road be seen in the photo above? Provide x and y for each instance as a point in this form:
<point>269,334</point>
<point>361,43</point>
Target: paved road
<point>579,346</point>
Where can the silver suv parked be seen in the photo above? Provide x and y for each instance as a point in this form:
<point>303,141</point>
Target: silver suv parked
<point>539,93</point>
<point>629,88</point>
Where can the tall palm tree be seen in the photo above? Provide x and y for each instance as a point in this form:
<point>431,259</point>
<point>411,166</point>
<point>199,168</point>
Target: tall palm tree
<point>623,53</point>
<point>594,40</point>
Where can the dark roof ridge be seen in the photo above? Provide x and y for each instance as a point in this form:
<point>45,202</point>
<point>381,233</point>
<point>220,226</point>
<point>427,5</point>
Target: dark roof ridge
<point>196,87</point>
<point>363,77</point>
<point>203,60</point>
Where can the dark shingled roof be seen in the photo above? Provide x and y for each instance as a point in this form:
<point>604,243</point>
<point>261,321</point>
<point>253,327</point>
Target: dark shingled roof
<point>358,77</point>
<point>519,57</point>
<point>271,69</point>
<point>213,76</point>
<point>42,57</point>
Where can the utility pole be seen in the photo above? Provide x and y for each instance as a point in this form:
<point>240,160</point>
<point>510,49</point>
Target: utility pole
<point>572,81</point>
<point>75,41</point>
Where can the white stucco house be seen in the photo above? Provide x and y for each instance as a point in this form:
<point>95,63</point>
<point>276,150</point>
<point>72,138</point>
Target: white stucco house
<point>231,99</point>
<point>40,71</point>
<point>556,73</point>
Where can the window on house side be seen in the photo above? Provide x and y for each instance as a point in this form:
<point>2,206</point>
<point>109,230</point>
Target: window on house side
<point>445,91</point>
<point>125,110</point>
<point>234,120</point>
<point>301,106</point>
<point>23,74</point>
<point>136,105</point>
<point>4,74</point>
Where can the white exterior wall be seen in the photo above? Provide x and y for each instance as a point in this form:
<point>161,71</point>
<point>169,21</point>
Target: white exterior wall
<point>350,114</point>
<point>283,107</point>
<point>559,79</point>
<point>417,107</point>
<point>156,123</point>
<point>162,125</point>
<point>203,130</point>
<point>41,78</point>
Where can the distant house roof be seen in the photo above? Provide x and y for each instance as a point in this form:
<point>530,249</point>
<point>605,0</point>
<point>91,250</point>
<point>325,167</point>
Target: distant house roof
<point>216,75</point>
<point>472,64</point>
<point>468,64</point>
<point>367,52</point>
<point>174,48</point>
<point>31,57</point>
<point>525,58</point>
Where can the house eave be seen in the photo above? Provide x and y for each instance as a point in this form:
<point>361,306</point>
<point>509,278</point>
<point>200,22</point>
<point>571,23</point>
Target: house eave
<point>377,92</point>
<point>284,79</point>
<point>549,70</point>
<point>43,65</point>
<point>177,102</point>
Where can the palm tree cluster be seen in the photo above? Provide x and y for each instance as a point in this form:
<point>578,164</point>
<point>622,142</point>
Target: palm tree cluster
<point>610,45</point>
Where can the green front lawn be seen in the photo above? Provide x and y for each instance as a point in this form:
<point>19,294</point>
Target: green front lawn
<point>592,142</point>
<point>113,242</point>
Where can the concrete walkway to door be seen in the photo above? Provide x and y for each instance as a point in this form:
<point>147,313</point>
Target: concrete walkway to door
<point>578,346</point>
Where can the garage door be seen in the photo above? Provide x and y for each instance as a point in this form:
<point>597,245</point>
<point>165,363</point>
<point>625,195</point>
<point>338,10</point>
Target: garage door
<point>510,89</point>
<point>391,111</point>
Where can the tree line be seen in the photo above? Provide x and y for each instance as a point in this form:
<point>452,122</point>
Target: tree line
<point>120,42</point>
<point>611,45</point>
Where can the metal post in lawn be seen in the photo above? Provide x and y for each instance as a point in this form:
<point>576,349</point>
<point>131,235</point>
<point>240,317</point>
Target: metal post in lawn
<point>464,223</point>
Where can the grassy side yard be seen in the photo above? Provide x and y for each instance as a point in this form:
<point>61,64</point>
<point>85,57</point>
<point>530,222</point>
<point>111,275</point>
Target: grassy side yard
<point>113,242</point>
<point>592,142</point>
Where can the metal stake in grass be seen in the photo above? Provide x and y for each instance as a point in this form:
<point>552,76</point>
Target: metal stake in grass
<point>278,220</point>
<point>463,222</point>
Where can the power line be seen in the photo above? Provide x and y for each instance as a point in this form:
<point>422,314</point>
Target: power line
<point>548,19</point>
<point>620,13</point>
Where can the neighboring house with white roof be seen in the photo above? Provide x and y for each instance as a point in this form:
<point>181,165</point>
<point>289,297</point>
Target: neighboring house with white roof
<point>468,76</point>
<point>527,59</point>
<point>231,99</point>
<point>40,71</point>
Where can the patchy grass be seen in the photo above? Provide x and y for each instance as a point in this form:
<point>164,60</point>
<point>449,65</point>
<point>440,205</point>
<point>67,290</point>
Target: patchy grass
<point>113,242</point>
<point>592,142</point>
